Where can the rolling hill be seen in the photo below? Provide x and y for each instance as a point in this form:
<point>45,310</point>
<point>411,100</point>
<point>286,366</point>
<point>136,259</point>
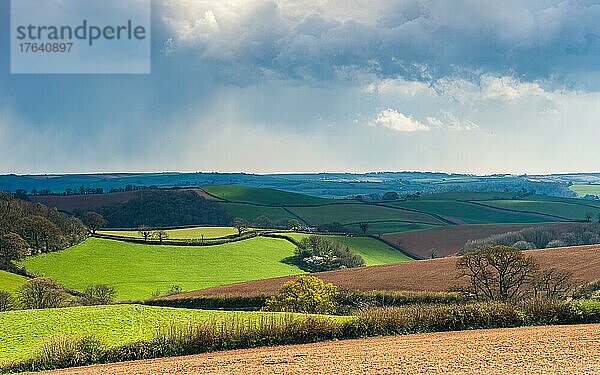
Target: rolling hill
<point>436,275</point>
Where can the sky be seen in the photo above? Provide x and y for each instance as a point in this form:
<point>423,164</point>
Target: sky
<point>267,86</point>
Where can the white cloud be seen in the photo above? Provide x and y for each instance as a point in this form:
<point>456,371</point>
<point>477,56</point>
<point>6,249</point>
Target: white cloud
<point>394,120</point>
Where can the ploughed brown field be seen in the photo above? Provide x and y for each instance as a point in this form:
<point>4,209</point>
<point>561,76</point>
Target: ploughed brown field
<point>449,240</point>
<point>72,203</point>
<point>422,275</point>
<point>530,350</point>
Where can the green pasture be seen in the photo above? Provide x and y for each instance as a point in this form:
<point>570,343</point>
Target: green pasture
<point>251,212</point>
<point>354,213</point>
<point>559,209</point>
<point>178,234</point>
<point>9,282</point>
<point>264,196</point>
<point>22,332</point>
<point>585,189</point>
<point>137,270</point>
<point>468,213</point>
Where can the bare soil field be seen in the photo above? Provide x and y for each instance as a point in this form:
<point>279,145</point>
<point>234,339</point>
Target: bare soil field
<point>530,350</point>
<point>449,239</point>
<point>421,275</point>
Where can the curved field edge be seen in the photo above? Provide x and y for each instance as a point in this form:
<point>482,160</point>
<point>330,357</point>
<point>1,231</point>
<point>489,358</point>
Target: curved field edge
<point>431,275</point>
<point>137,271</point>
<point>531,350</point>
<point>373,251</point>
<point>9,282</point>
<point>23,331</point>
<point>196,232</point>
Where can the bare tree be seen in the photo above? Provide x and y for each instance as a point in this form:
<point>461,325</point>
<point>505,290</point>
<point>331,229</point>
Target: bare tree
<point>161,235</point>
<point>41,293</point>
<point>93,221</point>
<point>552,283</point>
<point>240,224</point>
<point>588,217</point>
<point>12,247</point>
<point>497,272</point>
<point>145,232</point>
<point>364,227</point>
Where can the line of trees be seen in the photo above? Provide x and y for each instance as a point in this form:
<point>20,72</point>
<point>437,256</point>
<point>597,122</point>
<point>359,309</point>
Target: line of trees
<point>30,228</point>
<point>540,238</point>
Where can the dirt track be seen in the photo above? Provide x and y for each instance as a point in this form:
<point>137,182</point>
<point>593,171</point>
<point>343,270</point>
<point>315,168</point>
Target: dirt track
<point>422,275</point>
<point>531,350</point>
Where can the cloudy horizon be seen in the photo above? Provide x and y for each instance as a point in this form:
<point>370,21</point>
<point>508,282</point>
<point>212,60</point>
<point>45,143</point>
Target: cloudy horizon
<point>268,86</point>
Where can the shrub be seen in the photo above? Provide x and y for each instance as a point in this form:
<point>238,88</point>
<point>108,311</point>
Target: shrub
<point>589,290</point>
<point>306,294</point>
<point>6,301</point>
<point>316,254</point>
<point>556,243</point>
<point>523,245</point>
<point>41,293</point>
<point>100,294</point>
<point>61,352</point>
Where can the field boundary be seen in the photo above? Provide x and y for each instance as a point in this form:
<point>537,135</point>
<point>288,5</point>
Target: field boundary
<point>479,203</point>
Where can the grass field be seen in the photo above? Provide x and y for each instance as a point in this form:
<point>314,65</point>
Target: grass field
<point>137,270</point>
<point>353,213</point>
<point>583,190</point>
<point>187,233</point>
<point>270,197</point>
<point>21,332</point>
<point>432,275</point>
<point>251,212</point>
<point>9,282</point>
<point>559,209</point>
<point>467,213</point>
<point>373,251</point>
<point>390,227</point>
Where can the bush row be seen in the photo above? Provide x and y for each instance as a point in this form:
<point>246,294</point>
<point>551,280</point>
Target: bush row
<point>281,329</point>
<point>347,301</point>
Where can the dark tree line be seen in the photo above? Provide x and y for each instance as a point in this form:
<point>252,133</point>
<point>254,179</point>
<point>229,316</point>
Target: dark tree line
<point>541,237</point>
<point>30,228</point>
<point>161,208</point>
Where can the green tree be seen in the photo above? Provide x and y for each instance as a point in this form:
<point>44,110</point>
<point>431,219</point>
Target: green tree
<point>304,294</point>
<point>317,253</point>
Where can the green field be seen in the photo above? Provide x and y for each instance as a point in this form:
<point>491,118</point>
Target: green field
<point>559,209</point>
<point>9,282</point>
<point>373,251</point>
<point>138,270</point>
<point>353,213</point>
<point>583,190</point>
<point>390,227</point>
<point>269,197</point>
<point>22,332</point>
<point>176,234</point>
<point>467,213</point>
<point>251,212</point>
